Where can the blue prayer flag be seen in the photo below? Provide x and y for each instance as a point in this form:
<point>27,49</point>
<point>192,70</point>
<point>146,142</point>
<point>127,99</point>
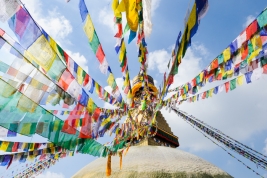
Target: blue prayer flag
<point>84,98</point>
<point>131,36</point>
<point>92,87</point>
<point>83,10</point>
<point>248,76</point>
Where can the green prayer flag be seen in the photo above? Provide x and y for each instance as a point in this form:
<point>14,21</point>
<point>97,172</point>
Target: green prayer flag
<point>262,19</point>
<point>3,67</point>
<point>233,84</point>
<point>263,61</point>
<point>94,43</point>
<point>220,59</point>
<point>9,148</point>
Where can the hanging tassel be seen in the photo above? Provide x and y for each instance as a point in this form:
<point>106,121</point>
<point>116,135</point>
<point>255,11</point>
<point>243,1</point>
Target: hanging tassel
<point>120,154</point>
<point>126,151</point>
<point>108,169</point>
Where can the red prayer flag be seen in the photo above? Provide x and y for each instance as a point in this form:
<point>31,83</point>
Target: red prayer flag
<point>67,128</point>
<point>86,131</point>
<point>119,34</point>
<point>86,80</point>
<point>96,114</point>
<point>227,86</point>
<point>194,82</point>
<point>252,29</point>
<point>204,95</point>
<point>264,69</point>
<point>100,54</point>
<point>65,80</point>
<point>244,51</point>
<point>215,64</point>
<point>15,147</point>
<point>170,79</point>
<point>66,57</point>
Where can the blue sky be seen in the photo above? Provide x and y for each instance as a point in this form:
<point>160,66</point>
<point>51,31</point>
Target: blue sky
<point>240,114</point>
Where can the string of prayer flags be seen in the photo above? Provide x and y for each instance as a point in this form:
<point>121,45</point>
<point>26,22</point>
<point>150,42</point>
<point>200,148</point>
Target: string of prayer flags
<point>78,73</point>
<point>228,86</point>
<point>29,123</point>
<point>94,42</point>
<point>9,146</point>
<point>198,11</point>
<point>121,49</point>
<point>229,144</point>
<point>248,45</point>
<point>48,86</point>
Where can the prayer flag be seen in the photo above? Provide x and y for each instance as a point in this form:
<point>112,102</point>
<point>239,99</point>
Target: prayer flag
<point>240,80</point>
<point>83,10</point>
<point>221,88</point>
<point>91,90</point>
<point>215,91</point>
<point>233,84</point>
<point>262,19</point>
<point>248,76</point>
<point>252,29</point>
<point>226,54</point>
<point>24,28</point>
<point>131,14</point>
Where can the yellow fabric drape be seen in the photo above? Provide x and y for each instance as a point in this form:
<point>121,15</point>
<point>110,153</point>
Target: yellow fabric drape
<point>131,14</point>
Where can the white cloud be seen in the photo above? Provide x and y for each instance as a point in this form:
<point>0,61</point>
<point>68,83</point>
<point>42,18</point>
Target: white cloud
<point>56,25</point>
<point>49,174</point>
<point>53,23</point>
<point>154,6</point>
<point>249,19</point>
<point>265,148</point>
<point>80,59</point>
<point>106,17</point>
<point>158,60</point>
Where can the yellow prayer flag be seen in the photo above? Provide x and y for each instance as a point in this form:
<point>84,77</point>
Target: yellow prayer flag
<point>230,73</point>
<point>110,79</point>
<point>129,95</point>
<point>41,53</point>
<point>211,92</point>
<point>105,121</point>
<point>97,88</point>
<point>201,75</point>
<point>192,20</point>
<point>56,156</point>
<point>240,80</point>
<point>122,51</point>
<point>89,28</point>
<point>90,105</point>
<point>186,88</point>
<point>256,42</point>
<point>226,54</point>
<point>80,75</point>
<point>115,5</point>
<point>4,146</point>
